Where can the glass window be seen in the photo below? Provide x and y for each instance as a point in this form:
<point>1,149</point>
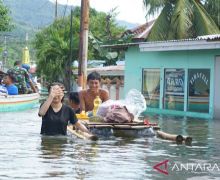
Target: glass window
<point>199,88</point>
<point>174,89</point>
<point>151,87</point>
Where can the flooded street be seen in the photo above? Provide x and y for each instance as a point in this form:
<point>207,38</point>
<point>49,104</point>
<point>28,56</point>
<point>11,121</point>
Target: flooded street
<point>25,154</point>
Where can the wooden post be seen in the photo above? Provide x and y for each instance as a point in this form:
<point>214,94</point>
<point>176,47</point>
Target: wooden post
<point>172,137</point>
<point>83,44</point>
<point>69,63</point>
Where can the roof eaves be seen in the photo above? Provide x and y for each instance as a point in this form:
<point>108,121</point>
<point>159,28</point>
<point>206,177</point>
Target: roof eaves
<point>186,44</point>
<point>120,46</point>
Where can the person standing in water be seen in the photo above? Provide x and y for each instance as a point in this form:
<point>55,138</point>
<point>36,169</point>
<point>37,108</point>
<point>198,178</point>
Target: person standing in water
<point>87,96</point>
<point>56,115</point>
<point>74,102</point>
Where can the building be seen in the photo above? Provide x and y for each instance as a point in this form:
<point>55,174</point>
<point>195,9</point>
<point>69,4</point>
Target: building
<point>179,77</point>
<point>112,79</point>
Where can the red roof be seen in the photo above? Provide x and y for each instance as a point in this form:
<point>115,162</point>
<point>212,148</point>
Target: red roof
<point>141,32</point>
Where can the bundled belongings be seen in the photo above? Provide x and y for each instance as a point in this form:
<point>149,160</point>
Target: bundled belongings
<point>119,114</point>
<point>135,104</point>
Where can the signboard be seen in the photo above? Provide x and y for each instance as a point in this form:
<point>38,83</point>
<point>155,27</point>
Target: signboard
<point>174,81</point>
<point>199,82</point>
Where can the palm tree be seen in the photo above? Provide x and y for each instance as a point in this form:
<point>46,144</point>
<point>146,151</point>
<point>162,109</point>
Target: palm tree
<point>213,8</point>
<point>179,19</point>
<point>52,46</point>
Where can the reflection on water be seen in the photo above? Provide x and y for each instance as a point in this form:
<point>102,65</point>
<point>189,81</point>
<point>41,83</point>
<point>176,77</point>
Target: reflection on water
<point>25,154</point>
<point>52,147</point>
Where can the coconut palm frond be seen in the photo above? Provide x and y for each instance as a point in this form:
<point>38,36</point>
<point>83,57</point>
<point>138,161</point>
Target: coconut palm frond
<point>161,26</point>
<point>154,6</point>
<point>181,20</point>
<point>203,22</point>
<point>213,8</point>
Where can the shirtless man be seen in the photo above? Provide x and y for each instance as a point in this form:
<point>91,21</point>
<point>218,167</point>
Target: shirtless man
<point>87,96</point>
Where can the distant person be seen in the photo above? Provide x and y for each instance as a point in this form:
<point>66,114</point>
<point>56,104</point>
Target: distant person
<point>8,82</point>
<point>21,77</point>
<point>2,74</point>
<point>74,101</point>
<point>27,67</point>
<point>56,115</point>
<point>3,90</point>
<point>87,96</point>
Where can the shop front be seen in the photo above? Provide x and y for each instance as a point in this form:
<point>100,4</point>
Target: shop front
<point>182,89</point>
<point>177,77</point>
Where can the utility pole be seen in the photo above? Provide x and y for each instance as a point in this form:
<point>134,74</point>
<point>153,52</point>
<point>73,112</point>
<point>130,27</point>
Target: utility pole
<point>56,9</point>
<point>83,44</point>
<point>69,62</point>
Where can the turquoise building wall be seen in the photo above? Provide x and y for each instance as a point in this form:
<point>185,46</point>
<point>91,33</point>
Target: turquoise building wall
<point>136,61</point>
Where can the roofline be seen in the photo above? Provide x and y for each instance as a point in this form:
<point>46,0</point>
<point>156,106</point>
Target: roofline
<point>120,46</point>
<point>179,45</point>
<point>185,44</point>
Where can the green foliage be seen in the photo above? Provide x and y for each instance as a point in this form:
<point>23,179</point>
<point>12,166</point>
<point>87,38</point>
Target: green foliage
<point>179,19</point>
<point>5,20</point>
<point>52,43</point>
<point>213,8</point>
<point>28,16</point>
<point>203,22</point>
<point>161,26</point>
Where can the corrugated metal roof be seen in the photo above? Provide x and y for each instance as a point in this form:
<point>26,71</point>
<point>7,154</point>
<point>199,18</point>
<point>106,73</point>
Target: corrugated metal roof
<point>209,37</point>
<point>185,44</point>
<point>198,40</point>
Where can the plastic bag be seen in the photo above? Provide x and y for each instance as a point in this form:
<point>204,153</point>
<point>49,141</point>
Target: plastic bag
<point>134,101</point>
<point>110,104</point>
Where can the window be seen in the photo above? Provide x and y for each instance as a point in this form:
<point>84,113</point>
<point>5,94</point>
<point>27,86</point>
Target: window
<point>199,88</point>
<point>151,87</point>
<point>174,89</point>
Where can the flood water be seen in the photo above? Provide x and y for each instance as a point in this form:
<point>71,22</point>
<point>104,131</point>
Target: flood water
<point>25,154</point>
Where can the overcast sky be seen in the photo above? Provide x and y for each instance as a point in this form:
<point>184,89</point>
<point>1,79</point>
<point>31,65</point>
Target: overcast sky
<point>129,10</point>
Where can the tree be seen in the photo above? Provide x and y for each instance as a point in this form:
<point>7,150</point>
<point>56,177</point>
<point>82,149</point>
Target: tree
<point>52,43</point>
<point>213,8</point>
<point>4,18</point>
<point>179,19</point>
<point>52,49</point>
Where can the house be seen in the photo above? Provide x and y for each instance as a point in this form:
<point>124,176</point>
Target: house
<point>179,77</point>
<point>139,33</point>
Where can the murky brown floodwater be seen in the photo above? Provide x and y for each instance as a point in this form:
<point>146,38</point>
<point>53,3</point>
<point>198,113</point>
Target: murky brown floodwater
<point>25,154</point>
